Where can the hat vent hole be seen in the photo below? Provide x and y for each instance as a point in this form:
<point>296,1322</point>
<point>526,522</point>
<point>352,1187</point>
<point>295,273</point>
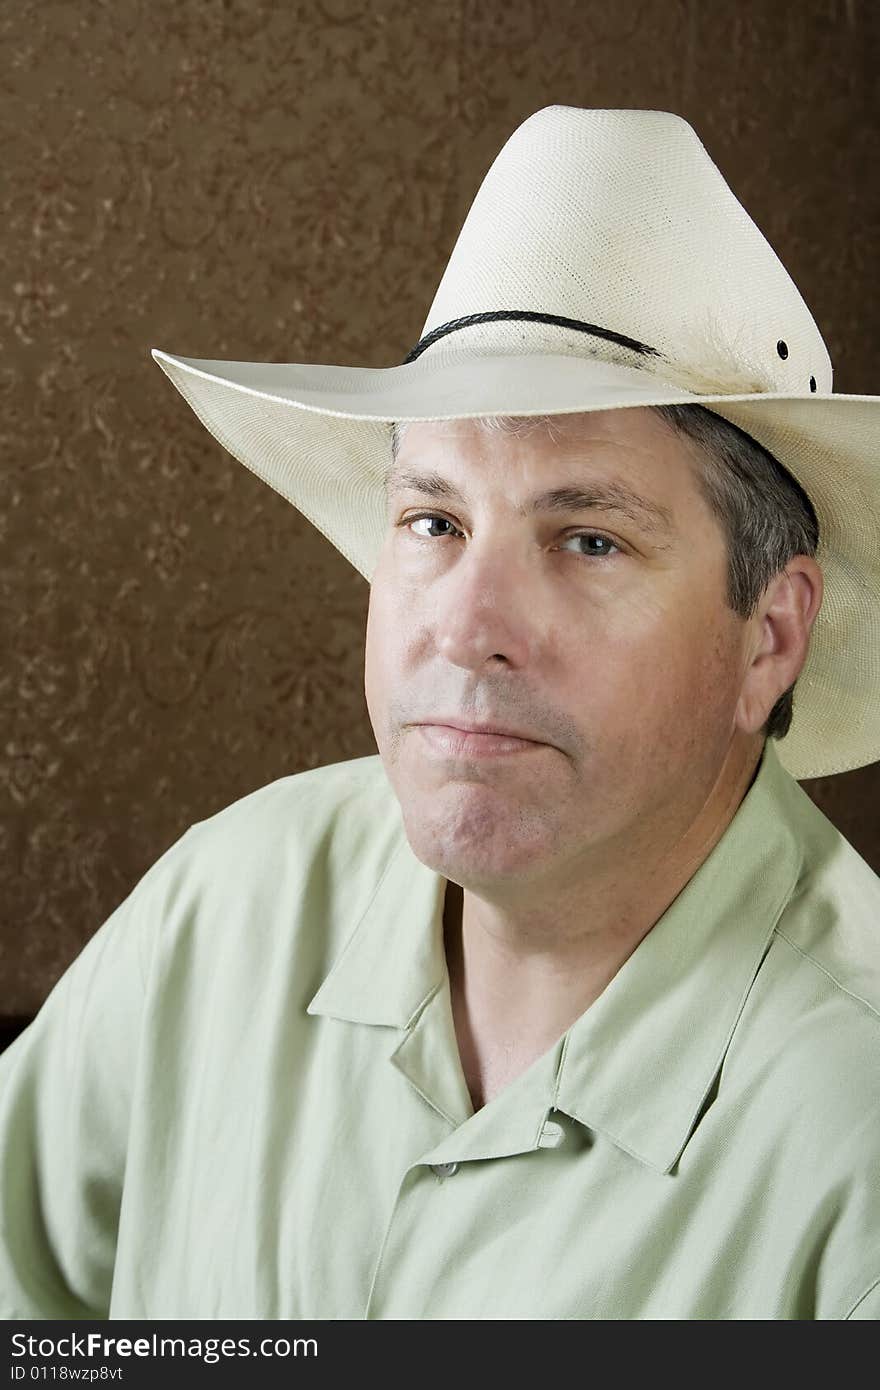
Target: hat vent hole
<point>782,349</point>
<point>812,383</point>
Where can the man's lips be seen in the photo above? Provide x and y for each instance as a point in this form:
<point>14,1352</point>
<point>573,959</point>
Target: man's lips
<point>474,741</point>
<point>465,726</point>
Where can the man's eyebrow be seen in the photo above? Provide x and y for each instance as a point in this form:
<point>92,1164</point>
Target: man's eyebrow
<point>609,495</point>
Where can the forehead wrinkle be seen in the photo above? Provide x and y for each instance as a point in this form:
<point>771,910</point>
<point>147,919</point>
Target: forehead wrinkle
<point>608,495</point>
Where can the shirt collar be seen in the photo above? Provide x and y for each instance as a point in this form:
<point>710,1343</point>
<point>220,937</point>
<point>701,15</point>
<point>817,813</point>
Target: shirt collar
<point>639,1064</point>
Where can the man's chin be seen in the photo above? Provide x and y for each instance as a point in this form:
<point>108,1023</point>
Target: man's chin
<point>471,838</point>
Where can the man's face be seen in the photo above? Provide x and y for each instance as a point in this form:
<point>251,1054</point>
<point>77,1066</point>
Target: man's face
<point>599,631</point>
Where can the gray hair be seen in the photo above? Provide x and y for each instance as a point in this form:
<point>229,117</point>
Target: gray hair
<point>766,516</point>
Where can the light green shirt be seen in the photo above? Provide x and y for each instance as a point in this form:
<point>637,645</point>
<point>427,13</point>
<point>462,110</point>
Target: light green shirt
<point>244,1098</point>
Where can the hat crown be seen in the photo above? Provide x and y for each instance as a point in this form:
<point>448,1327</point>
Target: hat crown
<point>620,219</point>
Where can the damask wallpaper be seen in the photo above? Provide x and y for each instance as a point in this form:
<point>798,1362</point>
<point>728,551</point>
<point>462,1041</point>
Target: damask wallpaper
<point>284,182</point>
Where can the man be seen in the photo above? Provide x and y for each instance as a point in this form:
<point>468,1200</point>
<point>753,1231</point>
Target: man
<point>521,629</point>
<point>565,1005</point>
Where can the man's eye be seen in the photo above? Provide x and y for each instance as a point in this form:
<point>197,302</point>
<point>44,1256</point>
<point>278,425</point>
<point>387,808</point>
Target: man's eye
<point>595,536</point>
<point>432,520</point>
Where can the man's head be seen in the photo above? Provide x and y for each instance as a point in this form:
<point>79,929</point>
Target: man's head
<point>620,634</point>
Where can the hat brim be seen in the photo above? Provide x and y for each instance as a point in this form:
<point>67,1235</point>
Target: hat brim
<point>320,436</point>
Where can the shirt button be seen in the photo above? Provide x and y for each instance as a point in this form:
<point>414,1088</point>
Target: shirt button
<point>444,1170</point>
<point>552,1135</point>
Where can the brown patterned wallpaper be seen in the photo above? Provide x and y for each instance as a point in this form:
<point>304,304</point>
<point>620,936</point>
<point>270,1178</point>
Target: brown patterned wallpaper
<point>240,179</point>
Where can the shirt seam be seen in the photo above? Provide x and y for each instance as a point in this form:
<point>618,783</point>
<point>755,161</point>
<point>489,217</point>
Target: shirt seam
<point>828,975</point>
<point>869,1290</point>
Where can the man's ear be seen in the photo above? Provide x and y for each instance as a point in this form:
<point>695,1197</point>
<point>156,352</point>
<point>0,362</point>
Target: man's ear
<point>780,639</point>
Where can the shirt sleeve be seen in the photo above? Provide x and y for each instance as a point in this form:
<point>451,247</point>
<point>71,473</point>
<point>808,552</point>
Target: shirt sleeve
<point>66,1087</point>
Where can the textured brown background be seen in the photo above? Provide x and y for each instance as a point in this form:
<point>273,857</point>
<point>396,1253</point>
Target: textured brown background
<point>285,182</point>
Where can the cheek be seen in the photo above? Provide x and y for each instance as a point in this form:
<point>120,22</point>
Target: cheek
<point>396,600</point>
<point>628,643</point>
<point>382,651</point>
<point>687,696</point>
<point>374,654</point>
<point>648,664</point>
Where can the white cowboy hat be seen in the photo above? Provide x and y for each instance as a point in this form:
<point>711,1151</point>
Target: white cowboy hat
<point>604,263</point>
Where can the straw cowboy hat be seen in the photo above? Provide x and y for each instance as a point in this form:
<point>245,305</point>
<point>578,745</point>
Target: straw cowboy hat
<point>604,263</point>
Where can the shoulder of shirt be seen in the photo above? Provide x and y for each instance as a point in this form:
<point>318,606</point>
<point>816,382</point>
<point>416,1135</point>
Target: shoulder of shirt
<point>345,812</point>
<point>324,790</point>
<point>309,846</point>
<point>831,921</point>
<point>807,1047</point>
<point>808,1037</point>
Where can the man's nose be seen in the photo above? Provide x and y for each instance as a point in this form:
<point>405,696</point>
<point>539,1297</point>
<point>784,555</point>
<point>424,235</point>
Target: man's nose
<point>486,607</point>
